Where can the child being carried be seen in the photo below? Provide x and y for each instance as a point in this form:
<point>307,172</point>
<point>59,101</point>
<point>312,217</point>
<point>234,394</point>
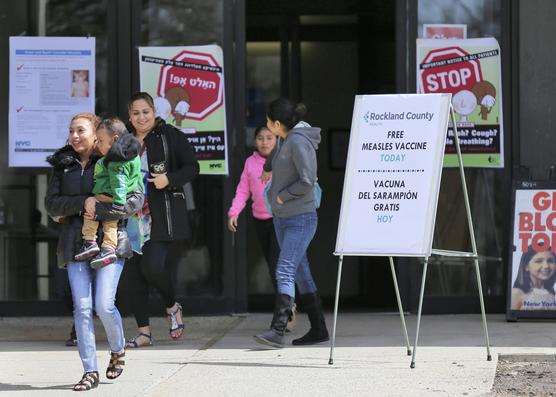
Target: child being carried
<point>116,175</point>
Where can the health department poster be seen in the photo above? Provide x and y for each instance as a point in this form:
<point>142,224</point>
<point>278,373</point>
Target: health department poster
<point>51,80</point>
<point>470,70</point>
<point>187,85</point>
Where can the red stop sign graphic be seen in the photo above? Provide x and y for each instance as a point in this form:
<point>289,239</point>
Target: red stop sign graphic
<point>453,76</point>
<point>202,89</point>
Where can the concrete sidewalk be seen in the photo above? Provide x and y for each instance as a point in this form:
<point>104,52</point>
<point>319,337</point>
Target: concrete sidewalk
<point>218,357</point>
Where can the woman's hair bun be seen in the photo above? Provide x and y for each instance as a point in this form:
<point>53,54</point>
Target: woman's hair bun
<point>286,111</point>
<point>300,111</point>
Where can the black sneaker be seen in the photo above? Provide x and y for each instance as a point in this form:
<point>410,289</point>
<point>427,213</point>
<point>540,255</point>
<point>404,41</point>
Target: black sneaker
<point>88,250</point>
<point>106,257</point>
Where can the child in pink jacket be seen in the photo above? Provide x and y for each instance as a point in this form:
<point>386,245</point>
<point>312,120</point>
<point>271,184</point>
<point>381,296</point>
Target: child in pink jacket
<point>251,186</point>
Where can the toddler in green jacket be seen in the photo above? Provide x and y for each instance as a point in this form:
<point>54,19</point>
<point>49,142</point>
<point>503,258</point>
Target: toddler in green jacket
<point>116,175</point>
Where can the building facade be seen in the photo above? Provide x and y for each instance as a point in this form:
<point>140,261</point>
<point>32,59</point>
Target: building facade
<point>322,53</point>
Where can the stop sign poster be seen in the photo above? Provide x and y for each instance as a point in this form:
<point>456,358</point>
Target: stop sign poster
<point>187,84</point>
<point>469,70</point>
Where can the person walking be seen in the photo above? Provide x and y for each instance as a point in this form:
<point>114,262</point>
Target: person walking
<point>292,199</point>
<point>69,198</point>
<point>251,186</point>
<point>167,163</point>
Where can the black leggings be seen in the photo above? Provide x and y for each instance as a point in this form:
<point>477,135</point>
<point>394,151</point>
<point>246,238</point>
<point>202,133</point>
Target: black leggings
<point>153,268</point>
<point>269,245</point>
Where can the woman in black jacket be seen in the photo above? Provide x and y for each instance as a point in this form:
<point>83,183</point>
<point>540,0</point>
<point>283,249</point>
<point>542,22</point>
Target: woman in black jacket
<point>168,162</point>
<point>69,198</point>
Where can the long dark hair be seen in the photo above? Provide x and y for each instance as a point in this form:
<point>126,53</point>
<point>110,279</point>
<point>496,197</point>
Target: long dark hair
<point>141,95</point>
<point>523,279</point>
<point>259,129</point>
<point>286,112</point>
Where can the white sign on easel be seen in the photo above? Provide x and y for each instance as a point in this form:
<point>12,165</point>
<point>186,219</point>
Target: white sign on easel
<point>391,187</point>
<point>393,173</point>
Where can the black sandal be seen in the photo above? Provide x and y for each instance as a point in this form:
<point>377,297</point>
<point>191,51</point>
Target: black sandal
<point>174,324</point>
<point>133,344</point>
<point>89,381</point>
<point>115,365</point>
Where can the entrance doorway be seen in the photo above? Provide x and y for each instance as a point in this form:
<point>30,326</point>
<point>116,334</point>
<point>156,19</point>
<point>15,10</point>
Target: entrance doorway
<point>321,55</point>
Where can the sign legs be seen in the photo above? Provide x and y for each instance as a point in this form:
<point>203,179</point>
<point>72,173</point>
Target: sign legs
<point>471,232</point>
<point>339,278</point>
<point>423,279</point>
<point>400,308</point>
<point>480,288</point>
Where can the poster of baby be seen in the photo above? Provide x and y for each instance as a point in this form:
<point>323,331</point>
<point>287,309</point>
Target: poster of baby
<point>187,85</point>
<point>533,269</point>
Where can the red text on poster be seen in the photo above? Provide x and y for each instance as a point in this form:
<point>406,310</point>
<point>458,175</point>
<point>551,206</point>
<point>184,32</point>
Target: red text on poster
<point>194,80</point>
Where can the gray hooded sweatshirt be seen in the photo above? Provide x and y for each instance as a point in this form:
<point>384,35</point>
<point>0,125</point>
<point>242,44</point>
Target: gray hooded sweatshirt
<point>294,172</point>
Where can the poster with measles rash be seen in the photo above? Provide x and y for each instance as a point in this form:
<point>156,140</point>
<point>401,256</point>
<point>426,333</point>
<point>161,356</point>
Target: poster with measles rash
<point>532,275</point>
<point>187,85</point>
<point>470,70</point>
<point>51,80</point>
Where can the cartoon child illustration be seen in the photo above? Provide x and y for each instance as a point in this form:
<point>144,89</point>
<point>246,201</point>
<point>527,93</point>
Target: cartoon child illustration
<point>485,93</point>
<point>179,100</point>
<point>163,107</point>
<point>464,102</point>
<point>80,83</point>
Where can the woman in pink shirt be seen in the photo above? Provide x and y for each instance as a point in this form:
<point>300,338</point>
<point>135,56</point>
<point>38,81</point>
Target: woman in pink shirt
<point>251,186</point>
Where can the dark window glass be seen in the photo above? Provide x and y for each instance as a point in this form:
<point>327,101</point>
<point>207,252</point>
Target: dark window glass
<point>486,187</point>
<point>185,23</point>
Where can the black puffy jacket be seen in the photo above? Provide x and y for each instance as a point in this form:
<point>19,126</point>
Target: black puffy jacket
<point>169,146</point>
<point>68,188</point>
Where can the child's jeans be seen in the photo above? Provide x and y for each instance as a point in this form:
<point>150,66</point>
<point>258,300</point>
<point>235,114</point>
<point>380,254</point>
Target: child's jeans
<point>110,228</point>
<point>102,284</point>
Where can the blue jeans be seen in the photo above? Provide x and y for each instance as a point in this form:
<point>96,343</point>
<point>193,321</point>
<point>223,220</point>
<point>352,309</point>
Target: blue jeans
<point>294,234</point>
<point>102,283</point>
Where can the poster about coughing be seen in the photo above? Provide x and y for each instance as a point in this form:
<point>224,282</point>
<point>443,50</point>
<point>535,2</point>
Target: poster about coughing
<point>533,270</point>
<point>187,85</point>
<point>470,70</point>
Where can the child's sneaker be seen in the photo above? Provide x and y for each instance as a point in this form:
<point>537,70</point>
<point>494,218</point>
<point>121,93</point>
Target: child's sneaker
<point>106,257</point>
<point>88,250</point>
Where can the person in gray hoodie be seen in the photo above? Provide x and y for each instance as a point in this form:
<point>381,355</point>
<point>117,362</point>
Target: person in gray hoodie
<point>292,200</point>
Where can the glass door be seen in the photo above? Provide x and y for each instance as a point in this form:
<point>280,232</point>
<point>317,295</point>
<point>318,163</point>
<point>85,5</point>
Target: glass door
<point>204,277</point>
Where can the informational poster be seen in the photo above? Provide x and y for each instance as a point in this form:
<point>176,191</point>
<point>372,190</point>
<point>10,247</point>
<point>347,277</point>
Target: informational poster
<point>392,176</point>
<point>51,80</point>
<point>532,275</point>
<point>470,71</point>
<point>187,84</point>
<point>444,31</point>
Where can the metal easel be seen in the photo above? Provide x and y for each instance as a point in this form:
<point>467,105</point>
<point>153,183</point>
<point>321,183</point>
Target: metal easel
<point>468,255</point>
